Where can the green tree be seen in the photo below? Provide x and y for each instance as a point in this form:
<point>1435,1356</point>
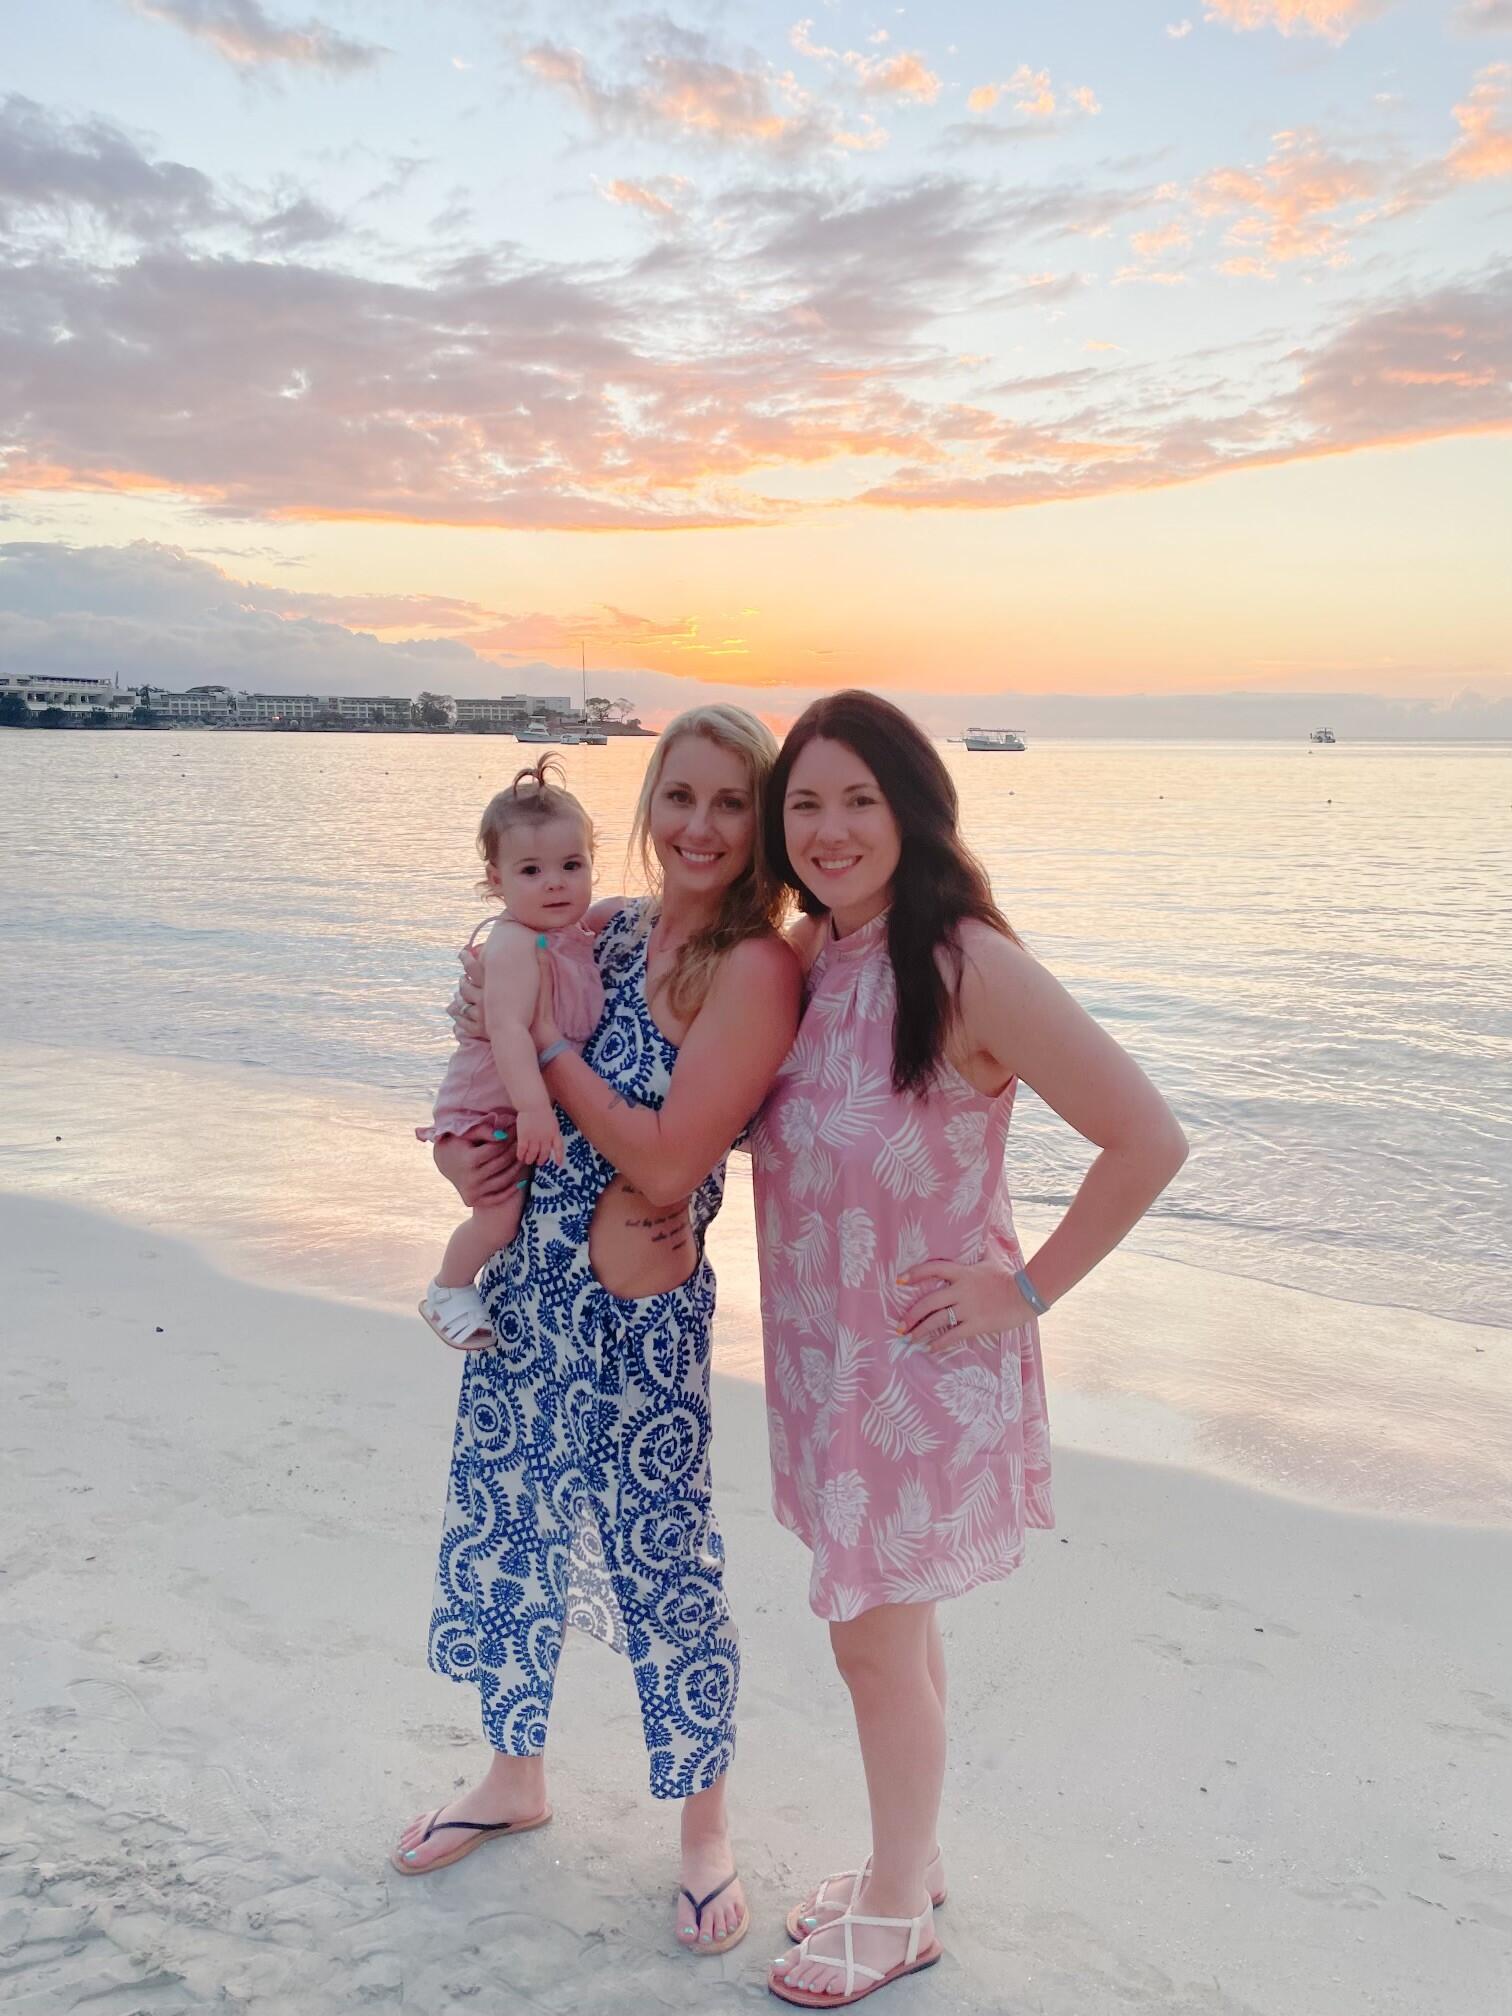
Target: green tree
<point>147,716</point>
<point>596,709</point>
<point>14,712</point>
<point>53,717</point>
<point>432,711</point>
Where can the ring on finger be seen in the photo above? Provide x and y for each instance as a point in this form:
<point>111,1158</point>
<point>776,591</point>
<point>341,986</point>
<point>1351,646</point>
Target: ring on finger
<point>952,1318</point>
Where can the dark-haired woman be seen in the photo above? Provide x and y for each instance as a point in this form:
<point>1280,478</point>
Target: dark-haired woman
<point>909,1437</point>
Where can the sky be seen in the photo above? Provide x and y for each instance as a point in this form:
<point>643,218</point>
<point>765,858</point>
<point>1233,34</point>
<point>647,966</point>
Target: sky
<point>968,352</point>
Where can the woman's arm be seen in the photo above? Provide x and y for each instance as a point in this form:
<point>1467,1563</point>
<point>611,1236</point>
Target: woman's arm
<point>724,1068</point>
<point>1022,1017</point>
<point>1018,1017</point>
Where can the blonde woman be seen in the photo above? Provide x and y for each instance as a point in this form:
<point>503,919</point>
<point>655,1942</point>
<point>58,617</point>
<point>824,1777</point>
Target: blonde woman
<point>580,1485</point>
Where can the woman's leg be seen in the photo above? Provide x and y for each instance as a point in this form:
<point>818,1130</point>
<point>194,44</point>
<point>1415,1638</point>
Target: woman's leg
<point>707,1859</point>
<point>891,1661</point>
<point>477,1239</point>
<point>512,1788</point>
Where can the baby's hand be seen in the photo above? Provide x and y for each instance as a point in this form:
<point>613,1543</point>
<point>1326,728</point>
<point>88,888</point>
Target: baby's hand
<point>538,1135</point>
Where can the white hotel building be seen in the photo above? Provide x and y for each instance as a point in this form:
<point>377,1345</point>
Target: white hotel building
<point>223,707</point>
<point>72,692</point>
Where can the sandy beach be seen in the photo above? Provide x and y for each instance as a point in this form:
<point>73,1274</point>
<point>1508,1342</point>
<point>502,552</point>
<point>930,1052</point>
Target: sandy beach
<point>1213,1751</point>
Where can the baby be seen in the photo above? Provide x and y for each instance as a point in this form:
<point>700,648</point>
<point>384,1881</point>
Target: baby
<point>537,847</point>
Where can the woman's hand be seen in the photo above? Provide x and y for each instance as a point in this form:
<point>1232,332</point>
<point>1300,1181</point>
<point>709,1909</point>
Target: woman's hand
<point>543,1025</point>
<point>466,1005</point>
<point>481,1166</point>
<point>976,1301</point>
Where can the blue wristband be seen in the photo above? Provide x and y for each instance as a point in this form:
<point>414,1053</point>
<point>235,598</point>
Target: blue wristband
<point>544,1057</point>
<point>1030,1293</point>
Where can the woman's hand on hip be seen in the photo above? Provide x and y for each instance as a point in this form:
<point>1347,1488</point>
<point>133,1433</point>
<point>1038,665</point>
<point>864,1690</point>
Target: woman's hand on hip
<point>466,1006</point>
<point>981,1300</point>
<point>482,1166</point>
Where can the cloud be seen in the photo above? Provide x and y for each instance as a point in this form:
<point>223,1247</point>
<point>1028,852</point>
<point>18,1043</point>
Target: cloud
<point>1485,17</point>
<point>1486,149</point>
<point>1291,207</point>
<point>1172,236</point>
<point>657,196</point>
<point>243,34</point>
<point>903,73</point>
<point>1425,368</point>
<point>681,86</point>
<point>1030,92</point>
<point>1334,20</point>
<point>52,168</point>
<point>1178,30</point>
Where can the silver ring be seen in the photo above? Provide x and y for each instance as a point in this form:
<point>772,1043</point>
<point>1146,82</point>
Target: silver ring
<point>953,1318</point>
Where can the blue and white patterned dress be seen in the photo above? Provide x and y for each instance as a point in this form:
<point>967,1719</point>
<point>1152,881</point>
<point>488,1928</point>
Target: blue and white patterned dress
<point>580,1489</point>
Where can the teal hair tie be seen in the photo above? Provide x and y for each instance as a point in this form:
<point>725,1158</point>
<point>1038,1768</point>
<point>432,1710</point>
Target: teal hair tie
<point>541,941</point>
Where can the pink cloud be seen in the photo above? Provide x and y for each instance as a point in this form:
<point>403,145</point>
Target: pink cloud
<point>656,197</point>
<point>243,34</point>
<point>1332,19</point>
<point>1486,149</point>
<point>1426,368</point>
<point>1291,207</point>
<point>682,87</point>
<point>1032,94</point>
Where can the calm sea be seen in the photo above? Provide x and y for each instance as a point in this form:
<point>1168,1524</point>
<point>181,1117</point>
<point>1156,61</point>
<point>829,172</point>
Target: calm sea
<point>223,961</point>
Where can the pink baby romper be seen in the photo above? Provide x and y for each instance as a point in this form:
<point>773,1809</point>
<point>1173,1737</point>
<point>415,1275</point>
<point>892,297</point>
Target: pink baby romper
<point>910,1473</point>
<point>472,1090</point>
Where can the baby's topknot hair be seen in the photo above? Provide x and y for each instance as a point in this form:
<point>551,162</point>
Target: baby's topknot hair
<point>537,793</point>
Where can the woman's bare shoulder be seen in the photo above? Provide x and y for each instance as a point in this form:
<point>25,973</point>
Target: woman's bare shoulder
<point>806,935</point>
<point>762,960</point>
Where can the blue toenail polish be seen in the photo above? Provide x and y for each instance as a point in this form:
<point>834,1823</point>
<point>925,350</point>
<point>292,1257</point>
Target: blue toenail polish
<point>409,1854</point>
<point>541,941</point>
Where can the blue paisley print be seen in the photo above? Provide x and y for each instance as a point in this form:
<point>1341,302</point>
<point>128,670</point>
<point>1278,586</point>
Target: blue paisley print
<point>580,1489</point>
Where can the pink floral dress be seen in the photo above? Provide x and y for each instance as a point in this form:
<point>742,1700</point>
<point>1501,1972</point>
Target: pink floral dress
<point>910,1473</point>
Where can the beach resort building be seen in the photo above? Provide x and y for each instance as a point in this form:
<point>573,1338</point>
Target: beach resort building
<point>509,708</point>
<point>70,692</point>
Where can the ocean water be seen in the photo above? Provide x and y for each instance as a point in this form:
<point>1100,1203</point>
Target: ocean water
<point>1306,949</point>
<point>224,959</point>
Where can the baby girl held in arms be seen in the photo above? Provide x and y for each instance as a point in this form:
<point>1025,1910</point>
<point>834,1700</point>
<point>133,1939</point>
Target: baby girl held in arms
<point>537,847</point>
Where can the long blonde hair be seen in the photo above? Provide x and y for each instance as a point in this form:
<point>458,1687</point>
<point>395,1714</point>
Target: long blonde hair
<point>755,902</point>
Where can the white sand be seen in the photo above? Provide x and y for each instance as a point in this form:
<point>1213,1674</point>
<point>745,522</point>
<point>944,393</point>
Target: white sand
<point>1213,1751</point>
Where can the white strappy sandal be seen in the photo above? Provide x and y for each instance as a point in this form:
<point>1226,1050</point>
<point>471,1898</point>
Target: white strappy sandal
<point>860,1981</point>
<point>458,1317</point>
<point>804,1917</point>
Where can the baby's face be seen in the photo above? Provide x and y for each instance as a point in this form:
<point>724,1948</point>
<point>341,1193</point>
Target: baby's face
<point>545,873</point>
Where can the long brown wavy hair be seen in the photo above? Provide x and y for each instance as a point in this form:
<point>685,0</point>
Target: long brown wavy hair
<point>938,883</point>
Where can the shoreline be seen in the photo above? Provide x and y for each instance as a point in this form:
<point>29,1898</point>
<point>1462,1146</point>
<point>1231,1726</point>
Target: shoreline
<point>1315,1399</point>
<point>1258,1756</point>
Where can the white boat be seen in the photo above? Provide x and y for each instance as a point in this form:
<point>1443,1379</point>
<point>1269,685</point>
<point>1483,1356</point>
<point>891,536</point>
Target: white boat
<point>597,741</point>
<point>1322,735</point>
<point>545,735</point>
<point>1002,739</point>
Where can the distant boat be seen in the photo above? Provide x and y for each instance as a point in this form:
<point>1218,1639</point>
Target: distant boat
<point>1000,739</point>
<point>597,741</point>
<point>1322,735</point>
<point>545,735</point>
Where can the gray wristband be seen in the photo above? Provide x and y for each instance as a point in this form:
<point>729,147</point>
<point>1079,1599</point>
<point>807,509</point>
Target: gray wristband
<point>1030,1293</point>
<point>544,1057</point>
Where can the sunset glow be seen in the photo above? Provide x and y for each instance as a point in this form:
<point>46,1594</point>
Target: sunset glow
<point>944,354</point>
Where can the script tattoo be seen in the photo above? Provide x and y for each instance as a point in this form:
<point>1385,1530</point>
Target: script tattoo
<point>667,1227</point>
